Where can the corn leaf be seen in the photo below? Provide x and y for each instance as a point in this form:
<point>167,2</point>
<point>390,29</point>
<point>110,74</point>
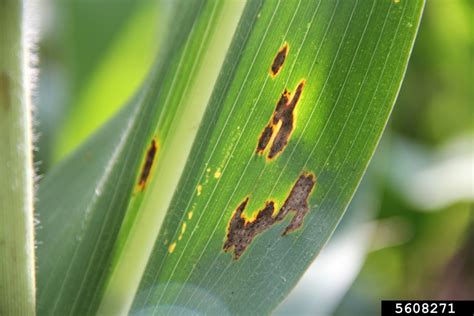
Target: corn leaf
<point>245,223</point>
<point>227,226</point>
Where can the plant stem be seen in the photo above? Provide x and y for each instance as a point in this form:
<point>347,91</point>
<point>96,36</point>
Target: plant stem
<point>17,286</point>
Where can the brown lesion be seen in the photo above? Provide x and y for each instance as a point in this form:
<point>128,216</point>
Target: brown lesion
<point>297,201</point>
<point>282,123</point>
<point>264,138</point>
<point>241,231</point>
<point>148,164</point>
<point>5,86</point>
<point>279,60</point>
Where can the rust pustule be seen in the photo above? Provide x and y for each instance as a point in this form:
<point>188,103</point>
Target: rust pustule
<point>148,164</point>
<point>241,231</point>
<point>279,60</point>
<point>284,114</point>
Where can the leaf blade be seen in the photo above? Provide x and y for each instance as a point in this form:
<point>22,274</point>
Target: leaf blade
<point>189,270</point>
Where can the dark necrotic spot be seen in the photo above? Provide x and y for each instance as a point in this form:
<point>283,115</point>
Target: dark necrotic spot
<point>281,139</point>
<point>297,96</point>
<point>281,104</point>
<point>150,157</point>
<point>297,201</point>
<point>284,113</point>
<point>279,60</point>
<point>264,138</point>
<point>241,232</point>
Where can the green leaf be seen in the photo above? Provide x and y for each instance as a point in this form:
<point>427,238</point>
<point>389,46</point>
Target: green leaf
<point>148,217</point>
<point>352,56</point>
<point>72,210</point>
<point>17,288</point>
<point>99,185</point>
<point>118,73</point>
<point>89,30</point>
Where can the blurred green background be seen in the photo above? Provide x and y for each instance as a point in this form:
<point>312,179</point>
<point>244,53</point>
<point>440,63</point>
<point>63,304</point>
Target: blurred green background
<point>409,232</point>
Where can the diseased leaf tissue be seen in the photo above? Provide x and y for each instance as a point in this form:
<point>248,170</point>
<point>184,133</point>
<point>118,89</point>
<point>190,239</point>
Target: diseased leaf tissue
<point>241,231</point>
<point>279,60</point>
<point>148,164</point>
<point>281,125</point>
